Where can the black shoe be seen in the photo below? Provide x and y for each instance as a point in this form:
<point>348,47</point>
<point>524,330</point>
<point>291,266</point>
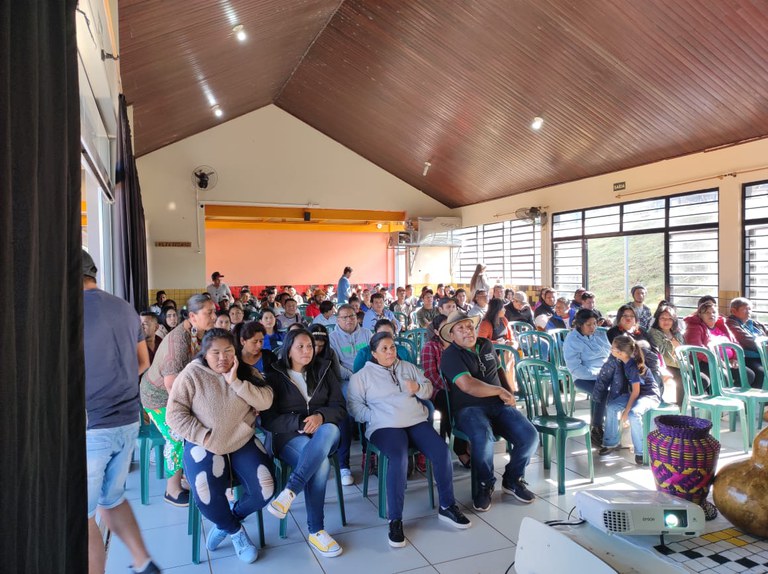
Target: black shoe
<point>482,502</point>
<point>596,437</point>
<point>454,516</point>
<point>519,489</point>
<point>608,450</point>
<point>396,536</point>
<point>150,568</point>
<point>182,500</point>
<point>639,460</point>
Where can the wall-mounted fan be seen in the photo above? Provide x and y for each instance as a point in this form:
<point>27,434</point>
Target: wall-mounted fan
<point>531,215</point>
<point>204,178</point>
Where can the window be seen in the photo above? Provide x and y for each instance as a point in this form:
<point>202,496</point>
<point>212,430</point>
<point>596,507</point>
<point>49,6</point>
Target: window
<point>667,244</point>
<point>510,250</point>
<point>756,247</point>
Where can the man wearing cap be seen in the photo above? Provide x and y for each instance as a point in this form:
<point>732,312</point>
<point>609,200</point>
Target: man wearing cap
<point>218,290</point>
<point>518,309</point>
<point>115,355</point>
<point>483,406</point>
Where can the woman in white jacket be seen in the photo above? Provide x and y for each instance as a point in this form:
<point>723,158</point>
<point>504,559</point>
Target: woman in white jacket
<point>385,395</point>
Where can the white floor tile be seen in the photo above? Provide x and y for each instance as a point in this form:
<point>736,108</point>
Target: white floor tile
<point>486,563</point>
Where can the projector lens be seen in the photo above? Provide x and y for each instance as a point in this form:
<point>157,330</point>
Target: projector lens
<point>675,518</point>
<point>671,520</point>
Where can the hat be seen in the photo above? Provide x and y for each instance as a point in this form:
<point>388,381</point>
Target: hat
<point>453,319</point>
<point>89,267</point>
<point>215,275</point>
<point>520,296</point>
<point>542,320</point>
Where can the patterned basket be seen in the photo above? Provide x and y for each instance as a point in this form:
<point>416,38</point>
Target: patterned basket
<point>683,458</point>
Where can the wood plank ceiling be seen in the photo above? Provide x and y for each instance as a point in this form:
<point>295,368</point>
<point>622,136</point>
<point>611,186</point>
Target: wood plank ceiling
<point>457,84</point>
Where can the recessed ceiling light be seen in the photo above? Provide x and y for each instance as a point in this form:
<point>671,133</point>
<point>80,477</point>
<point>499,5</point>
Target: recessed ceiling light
<point>217,111</point>
<point>537,123</point>
<point>240,32</point>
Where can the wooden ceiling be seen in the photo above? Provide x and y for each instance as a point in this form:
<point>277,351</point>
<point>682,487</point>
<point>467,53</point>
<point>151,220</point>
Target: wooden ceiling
<point>457,84</point>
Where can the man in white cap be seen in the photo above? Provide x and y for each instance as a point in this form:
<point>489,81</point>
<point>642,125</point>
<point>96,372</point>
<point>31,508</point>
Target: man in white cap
<point>483,405</point>
<point>219,290</point>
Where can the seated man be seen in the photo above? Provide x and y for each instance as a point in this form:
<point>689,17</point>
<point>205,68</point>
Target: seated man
<point>746,330</point>
<point>447,306</point>
<point>518,309</point>
<point>401,304</point>
<point>379,311</point>
<point>483,405</point>
<point>461,301</point>
<point>427,311</point>
<point>588,302</point>
<point>563,315</point>
<point>326,316</point>
<point>289,316</point>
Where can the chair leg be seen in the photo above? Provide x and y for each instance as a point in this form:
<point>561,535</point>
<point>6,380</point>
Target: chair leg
<point>194,519</point>
<point>366,471</point>
<point>744,431</point>
<point>339,489</point>
<point>144,449</point>
<point>159,461</point>
<point>430,484</point>
<point>383,464</point>
<point>560,441</point>
<point>260,519</point>
<point>546,451</point>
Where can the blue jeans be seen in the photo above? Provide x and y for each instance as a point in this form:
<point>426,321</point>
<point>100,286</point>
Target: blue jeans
<point>481,423</point>
<point>308,455</point>
<point>210,475</point>
<point>393,443</point>
<point>614,409</point>
<point>109,453</point>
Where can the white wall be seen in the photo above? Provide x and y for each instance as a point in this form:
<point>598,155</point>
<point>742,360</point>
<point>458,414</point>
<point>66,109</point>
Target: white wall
<point>727,169</point>
<point>267,156</point>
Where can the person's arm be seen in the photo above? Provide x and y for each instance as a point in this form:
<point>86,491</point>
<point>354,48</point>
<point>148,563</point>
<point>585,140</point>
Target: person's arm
<point>179,414</point>
<point>259,398</point>
<point>574,362</point>
<point>477,388</point>
<point>356,399</point>
<point>418,384</point>
<point>485,330</point>
<point>429,362</point>
<point>275,421</point>
<point>142,354</point>
<point>634,393</point>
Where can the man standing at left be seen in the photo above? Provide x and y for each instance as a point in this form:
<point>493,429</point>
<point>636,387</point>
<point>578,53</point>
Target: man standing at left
<point>219,290</point>
<point>115,355</point>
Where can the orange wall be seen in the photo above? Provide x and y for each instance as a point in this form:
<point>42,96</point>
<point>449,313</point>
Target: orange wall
<point>262,257</point>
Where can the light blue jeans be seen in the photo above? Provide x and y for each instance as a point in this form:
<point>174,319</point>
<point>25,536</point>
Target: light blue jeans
<point>308,456</point>
<point>109,453</point>
<point>613,411</point>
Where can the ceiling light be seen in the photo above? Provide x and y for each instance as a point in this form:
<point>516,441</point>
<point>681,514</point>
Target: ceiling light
<point>240,33</point>
<point>427,165</point>
<point>379,226</point>
<point>217,111</point>
<point>537,123</point>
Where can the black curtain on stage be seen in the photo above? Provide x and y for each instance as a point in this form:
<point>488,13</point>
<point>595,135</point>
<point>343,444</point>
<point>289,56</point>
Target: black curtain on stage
<point>42,418</point>
<point>130,240</point>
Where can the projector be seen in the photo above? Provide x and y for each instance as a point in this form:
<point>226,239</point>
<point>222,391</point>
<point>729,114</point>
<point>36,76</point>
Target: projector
<point>639,512</point>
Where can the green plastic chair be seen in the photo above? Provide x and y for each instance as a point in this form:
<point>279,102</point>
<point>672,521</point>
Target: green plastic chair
<point>149,438</point>
<point>712,400</point>
<point>409,346</point>
<point>283,471</point>
<point>195,521</point>
<point>456,433</point>
<point>534,376</point>
<point>372,450</point>
<point>649,416</point>
<point>753,399</point>
<point>419,337</point>
<point>303,310</point>
<point>405,322</point>
<point>544,346</point>
<point>520,327</point>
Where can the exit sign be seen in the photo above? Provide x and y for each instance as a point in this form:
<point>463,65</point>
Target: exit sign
<point>620,186</point>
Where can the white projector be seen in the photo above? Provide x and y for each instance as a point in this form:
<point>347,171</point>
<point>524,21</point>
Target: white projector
<point>639,512</point>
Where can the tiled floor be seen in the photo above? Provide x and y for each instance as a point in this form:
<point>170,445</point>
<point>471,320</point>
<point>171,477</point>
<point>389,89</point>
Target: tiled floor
<point>486,548</point>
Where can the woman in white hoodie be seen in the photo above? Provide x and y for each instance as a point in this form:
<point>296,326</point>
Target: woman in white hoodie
<point>385,395</point>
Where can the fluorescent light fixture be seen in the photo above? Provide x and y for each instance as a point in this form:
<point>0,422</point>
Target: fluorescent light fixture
<point>217,111</point>
<point>537,123</point>
<point>240,33</point>
<point>427,165</point>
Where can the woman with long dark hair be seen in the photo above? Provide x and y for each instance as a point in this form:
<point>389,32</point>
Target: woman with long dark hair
<point>250,337</point>
<point>666,336</point>
<point>479,281</point>
<point>303,425</point>
<point>213,405</point>
<point>272,337</point>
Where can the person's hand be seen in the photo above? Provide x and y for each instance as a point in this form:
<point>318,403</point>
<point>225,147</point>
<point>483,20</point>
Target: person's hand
<point>507,398</point>
<point>312,423</point>
<point>231,376</point>
<point>624,419</point>
<point>412,386</point>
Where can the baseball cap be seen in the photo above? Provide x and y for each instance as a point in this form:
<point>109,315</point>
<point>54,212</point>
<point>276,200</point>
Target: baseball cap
<point>89,267</point>
<point>216,275</point>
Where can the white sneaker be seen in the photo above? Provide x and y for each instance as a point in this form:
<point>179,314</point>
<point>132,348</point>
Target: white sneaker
<point>346,477</point>
<point>244,548</point>
<point>281,504</point>
<point>325,544</point>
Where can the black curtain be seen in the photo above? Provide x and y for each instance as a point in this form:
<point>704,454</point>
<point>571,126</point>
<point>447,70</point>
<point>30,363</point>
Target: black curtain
<point>129,238</point>
<point>42,418</point>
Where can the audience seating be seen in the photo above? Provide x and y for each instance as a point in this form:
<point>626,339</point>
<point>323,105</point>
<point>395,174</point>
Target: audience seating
<point>149,438</point>
<point>410,348</point>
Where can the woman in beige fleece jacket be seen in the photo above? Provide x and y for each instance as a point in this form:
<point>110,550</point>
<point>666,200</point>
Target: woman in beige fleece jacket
<point>213,405</point>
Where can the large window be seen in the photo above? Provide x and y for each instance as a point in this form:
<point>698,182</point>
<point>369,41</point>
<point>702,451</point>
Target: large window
<point>667,244</point>
<point>756,246</point>
<point>510,250</point>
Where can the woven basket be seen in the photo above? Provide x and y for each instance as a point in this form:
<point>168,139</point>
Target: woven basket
<point>683,458</point>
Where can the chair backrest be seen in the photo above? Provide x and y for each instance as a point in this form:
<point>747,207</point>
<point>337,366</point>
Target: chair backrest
<point>559,335</point>
<point>520,327</point>
<point>448,387</point>
<point>690,371</point>
<point>409,346</point>
<point>762,348</point>
<point>502,351</point>
<point>536,378</point>
<point>403,319</point>
<point>303,309</point>
<point>539,345</point>
<point>726,375</point>
<point>418,336</point>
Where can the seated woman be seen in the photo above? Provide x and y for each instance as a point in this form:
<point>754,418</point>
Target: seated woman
<point>705,328</point>
<point>169,319</point>
<point>627,324</point>
<point>213,405</point>
<point>303,425</point>
<point>628,407</point>
<point>364,354</point>
<point>383,395</point>
<point>250,349</point>
<point>495,327</point>
<point>223,321</point>
<point>323,349</point>
<point>666,336</point>
<point>272,337</point>
<point>518,309</point>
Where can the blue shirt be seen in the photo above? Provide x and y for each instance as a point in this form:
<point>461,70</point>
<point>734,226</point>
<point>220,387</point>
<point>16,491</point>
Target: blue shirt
<point>111,332</point>
<point>648,385</point>
<point>342,291</point>
<point>369,321</point>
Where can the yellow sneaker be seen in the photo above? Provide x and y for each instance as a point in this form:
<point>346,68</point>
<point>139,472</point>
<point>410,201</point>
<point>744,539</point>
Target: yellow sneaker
<point>281,504</point>
<point>325,544</point>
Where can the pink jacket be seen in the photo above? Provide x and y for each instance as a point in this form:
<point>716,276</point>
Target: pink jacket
<point>697,333</point>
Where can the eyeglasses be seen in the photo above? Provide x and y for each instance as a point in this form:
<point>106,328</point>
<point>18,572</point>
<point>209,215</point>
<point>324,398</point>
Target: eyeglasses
<point>345,317</point>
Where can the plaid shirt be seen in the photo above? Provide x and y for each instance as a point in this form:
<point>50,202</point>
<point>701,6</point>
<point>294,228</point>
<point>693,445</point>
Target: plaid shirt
<point>430,362</point>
